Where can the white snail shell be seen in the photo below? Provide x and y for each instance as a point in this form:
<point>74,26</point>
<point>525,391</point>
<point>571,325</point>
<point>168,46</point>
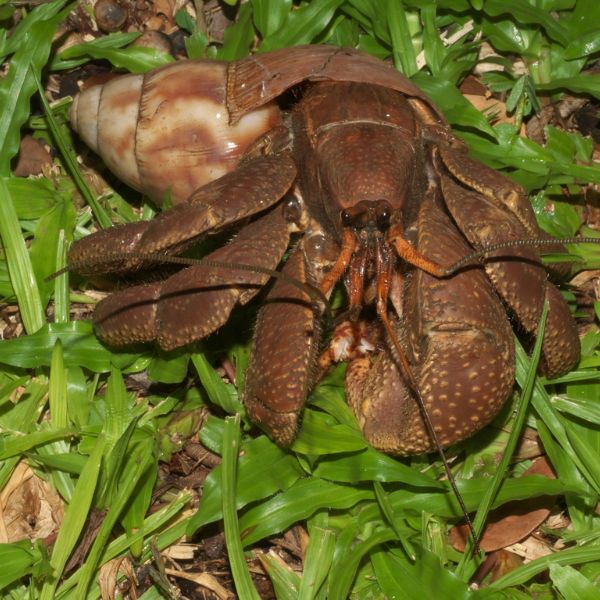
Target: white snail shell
<point>167,131</point>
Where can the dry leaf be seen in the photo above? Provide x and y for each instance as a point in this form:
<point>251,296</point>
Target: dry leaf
<point>204,580</point>
<point>109,574</point>
<point>29,507</point>
<point>513,521</point>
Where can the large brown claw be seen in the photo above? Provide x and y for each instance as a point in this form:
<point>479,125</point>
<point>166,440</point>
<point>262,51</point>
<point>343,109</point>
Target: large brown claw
<point>253,188</point>
<point>282,368</point>
<point>88,256</point>
<point>460,346</point>
<point>519,276</point>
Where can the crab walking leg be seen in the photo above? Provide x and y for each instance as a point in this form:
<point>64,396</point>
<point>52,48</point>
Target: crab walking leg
<point>522,282</point>
<point>282,367</point>
<point>199,299</point>
<point>255,186</point>
<point>458,343</point>
<point>491,184</point>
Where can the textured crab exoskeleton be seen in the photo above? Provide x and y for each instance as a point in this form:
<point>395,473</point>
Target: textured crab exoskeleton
<point>361,164</point>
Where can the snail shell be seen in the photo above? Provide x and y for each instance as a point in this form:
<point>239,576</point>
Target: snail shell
<point>167,131</point>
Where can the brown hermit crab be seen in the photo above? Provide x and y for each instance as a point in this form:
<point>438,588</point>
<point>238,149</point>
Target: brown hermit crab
<point>361,180</point>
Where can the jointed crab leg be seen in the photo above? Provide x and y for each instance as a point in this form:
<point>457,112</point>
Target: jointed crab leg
<point>411,255</point>
<point>199,299</point>
<point>283,362</point>
<point>256,185</point>
<point>340,266</point>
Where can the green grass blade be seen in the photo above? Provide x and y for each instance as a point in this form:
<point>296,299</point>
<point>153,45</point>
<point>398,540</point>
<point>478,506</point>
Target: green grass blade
<point>285,581</point>
<point>239,569</point>
<point>318,558</point>
<point>569,556</point>
<point>511,444</point>
<point>19,264</point>
<point>80,346</point>
<point>139,461</point>
<point>263,470</point>
<point>571,584</point>
<point>61,284</point>
<point>269,15</point>
<point>238,38</point>
<point>18,559</point>
<point>219,392</point>
<point>59,419</point>
<point>393,519</point>
<point>152,525</point>
<point>297,503</point>
<point>345,566</point>
<point>402,49</point>
<point>75,518</point>
<point>303,25</point>
<point>17,87</point>
<point>70,160</point>
<point>58,389</point>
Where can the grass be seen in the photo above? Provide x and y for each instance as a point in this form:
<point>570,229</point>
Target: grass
<point>376,526</point>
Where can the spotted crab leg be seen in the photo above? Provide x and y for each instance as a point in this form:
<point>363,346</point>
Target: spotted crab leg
<point>496,211</point>
<point>282,367</point>
<point>199,299</point>
<point>255,186</point>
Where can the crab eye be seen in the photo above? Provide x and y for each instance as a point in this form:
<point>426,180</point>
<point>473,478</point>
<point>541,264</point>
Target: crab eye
<point>346,217</point>
<point>383,215</point>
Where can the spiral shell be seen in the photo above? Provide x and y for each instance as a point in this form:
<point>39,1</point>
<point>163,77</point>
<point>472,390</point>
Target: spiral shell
<point>167,131</point>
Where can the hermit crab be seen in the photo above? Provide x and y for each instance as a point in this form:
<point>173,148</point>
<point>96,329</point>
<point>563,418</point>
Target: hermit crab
<point>330,167</point>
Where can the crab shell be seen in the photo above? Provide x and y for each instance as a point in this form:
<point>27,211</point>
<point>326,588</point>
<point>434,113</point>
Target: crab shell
<point>168,132</point>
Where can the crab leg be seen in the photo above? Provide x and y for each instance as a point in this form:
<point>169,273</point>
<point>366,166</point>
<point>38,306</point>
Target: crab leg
<point>282,367</point>
<point>198,300</point>
<point>342,262</point>
<point>252,188</point>
<point>522,282</point>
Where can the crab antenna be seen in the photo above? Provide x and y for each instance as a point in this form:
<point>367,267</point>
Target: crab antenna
<point>313,292</point>
<point>474,258</point>
<point>412,384</point>
<point>383,283</point>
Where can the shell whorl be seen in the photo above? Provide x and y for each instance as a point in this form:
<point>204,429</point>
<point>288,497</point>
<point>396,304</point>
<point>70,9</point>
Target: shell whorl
<point>167,131</point>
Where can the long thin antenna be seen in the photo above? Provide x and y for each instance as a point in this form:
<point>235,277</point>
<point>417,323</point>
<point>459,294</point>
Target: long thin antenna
<point>474,258</point>
<point>111,257</point>
<point>412,384</point>
<point>384,267</point>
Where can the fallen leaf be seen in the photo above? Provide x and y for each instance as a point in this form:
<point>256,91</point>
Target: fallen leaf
<point>29,507</point>
<point>512,522</point>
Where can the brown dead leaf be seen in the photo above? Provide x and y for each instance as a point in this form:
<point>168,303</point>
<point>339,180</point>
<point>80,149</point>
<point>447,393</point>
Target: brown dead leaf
<point>181,551</point>
<point>204,580</point>
<point>108,578</point>
<point>33,156</point>
<point>531,549</point>
<point>513,521</point>
<point>29,508</point>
